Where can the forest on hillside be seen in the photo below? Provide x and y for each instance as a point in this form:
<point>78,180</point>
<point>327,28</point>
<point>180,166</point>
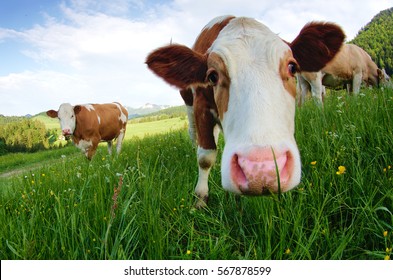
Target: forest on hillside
<point>376,38</point>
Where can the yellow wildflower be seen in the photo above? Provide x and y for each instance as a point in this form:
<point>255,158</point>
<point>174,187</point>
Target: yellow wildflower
<point>313,162</point>
<point>341,170</point>
<point>387,257</point>
<point>188,252</point>
<point>287,251</point>
<point>385,233</point>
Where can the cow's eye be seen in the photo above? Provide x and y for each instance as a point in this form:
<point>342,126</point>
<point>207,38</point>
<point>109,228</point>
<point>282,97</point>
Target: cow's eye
<point>292,68</point>
<point>212,77</point>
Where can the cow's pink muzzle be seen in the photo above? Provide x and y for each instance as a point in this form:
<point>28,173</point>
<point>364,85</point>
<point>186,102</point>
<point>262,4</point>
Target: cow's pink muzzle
<point>257,172</point>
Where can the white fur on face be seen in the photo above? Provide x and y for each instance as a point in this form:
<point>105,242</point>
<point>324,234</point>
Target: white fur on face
<point>260,110</point>
<point>67,117</point>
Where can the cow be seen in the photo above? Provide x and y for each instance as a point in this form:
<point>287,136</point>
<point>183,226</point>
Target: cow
<point>239,79</point>
<point>90,124</point>
<point>349,68</point>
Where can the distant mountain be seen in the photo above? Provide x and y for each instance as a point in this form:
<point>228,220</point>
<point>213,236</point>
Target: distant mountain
<point>376,38</point>
<point>146,109</point>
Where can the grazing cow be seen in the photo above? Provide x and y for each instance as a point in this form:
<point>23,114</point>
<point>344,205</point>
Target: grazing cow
<point>239,77</point>
<point>349,68</point>
<point>92,123</point>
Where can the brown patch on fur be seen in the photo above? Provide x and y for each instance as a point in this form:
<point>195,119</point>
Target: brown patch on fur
<point>221,90</point>
<point>186,94</point>
<point>288,78</point>
<point>209,35</point>
<point>204,163</point>
<point>204,119</point>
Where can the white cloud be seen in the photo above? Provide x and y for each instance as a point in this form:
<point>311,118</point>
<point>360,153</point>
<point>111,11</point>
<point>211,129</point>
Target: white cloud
<point>95,52</point>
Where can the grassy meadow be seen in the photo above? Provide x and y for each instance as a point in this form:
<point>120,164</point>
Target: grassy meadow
<point>139,205</point>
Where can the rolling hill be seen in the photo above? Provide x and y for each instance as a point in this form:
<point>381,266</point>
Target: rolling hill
<point>146,109</point>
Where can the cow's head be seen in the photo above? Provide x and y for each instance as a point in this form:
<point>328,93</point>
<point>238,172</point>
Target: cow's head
<point>382,77</point>
<point>251,71</point>
<point>67,117</point>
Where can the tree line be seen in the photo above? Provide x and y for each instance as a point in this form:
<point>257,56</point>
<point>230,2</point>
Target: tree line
<point>24,135</point>
<point>376,38</point>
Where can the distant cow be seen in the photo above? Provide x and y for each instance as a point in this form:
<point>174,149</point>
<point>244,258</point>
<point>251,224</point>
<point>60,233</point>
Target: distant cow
<point>239,77</point>
<point>349,68</point>
<point>92,123</point>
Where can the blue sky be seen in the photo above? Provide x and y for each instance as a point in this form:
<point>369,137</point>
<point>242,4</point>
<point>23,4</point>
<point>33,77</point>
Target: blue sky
<point>93,51</point>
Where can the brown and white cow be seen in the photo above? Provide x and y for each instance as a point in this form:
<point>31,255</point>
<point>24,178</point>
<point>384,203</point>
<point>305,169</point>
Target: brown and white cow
<point>349,68</point>
<point>239,77</point>
<point>92,123</point>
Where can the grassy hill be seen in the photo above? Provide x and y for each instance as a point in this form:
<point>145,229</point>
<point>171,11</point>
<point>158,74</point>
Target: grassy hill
<point>50,123</point>
<point>168,113</point>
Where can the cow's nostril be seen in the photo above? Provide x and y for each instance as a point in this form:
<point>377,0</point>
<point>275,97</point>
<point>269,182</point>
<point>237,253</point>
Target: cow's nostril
<point>237,172</point>
<point>261,172</point>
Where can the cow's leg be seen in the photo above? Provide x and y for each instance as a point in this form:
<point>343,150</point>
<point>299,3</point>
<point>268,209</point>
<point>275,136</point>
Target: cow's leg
<point>109,147</point>
<point>207,149</point>
<point>317,88</point>
<point>356,82</point>
<point>206,159</point>
<point>298,90</point>
<point>302,88</point>
<point>119,140</point>
<point>323,93</point>
<point>349,88</point>
<point>86,146</point>
<point>91,150</point>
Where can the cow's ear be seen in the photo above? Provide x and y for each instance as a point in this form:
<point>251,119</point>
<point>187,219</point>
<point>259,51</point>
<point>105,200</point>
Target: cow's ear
<point>77,109</point>
<point>317,44</point>
<point>178,65</point>
<point>52,113</point>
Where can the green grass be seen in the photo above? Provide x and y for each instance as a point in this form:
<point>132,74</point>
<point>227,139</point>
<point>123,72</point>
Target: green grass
<point>155,127</point>
<point>50,123</point>
<point>139,205</point>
